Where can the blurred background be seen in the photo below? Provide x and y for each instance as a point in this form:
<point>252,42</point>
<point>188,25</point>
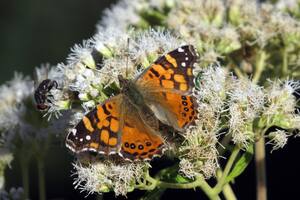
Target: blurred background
<point>33,32</point>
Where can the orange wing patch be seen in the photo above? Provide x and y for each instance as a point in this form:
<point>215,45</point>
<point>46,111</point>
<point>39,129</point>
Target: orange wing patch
<point>98,130</point>
<point>138,142</point>
<point>182,107</point>
<point>172,71</point>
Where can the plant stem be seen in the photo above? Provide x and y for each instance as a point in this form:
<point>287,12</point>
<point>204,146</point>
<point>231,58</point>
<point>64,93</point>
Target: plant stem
<point>284,69</point>
<point>222,181</point>
<point>260,65</point>
<point>227,190</point>
<point>199,182</point>
<point>41,175</point>
<point>261,187</point>
<point>24,162</point>
<point>235,68</point>
<point>208,190</point>
<point>212,193</point>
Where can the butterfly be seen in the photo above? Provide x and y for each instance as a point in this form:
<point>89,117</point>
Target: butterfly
<point>133,122</point>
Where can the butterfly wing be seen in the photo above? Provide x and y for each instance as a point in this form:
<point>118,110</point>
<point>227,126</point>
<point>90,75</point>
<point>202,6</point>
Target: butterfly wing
<point>167,87</point>
<point>175,110</point>
<point>173,71</point>
<point>115,127</point>
<point>139,141</point>
<point>99,130</point>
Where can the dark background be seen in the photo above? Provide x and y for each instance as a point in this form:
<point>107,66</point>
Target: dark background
<point>34,32</point>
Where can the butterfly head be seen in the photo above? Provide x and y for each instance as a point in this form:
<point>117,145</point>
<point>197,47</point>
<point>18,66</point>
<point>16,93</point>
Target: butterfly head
<point>125,84</point>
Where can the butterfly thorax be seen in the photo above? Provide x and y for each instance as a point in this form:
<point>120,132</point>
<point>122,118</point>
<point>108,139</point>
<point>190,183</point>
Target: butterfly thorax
<point>136,99</point>
<point>130,91</point>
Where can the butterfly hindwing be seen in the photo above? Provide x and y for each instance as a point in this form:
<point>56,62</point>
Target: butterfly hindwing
<point>182,107</point>
<point>138,140</point>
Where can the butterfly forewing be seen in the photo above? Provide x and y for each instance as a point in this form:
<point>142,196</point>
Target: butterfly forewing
<point>99,130</point>
<point>173,71</point>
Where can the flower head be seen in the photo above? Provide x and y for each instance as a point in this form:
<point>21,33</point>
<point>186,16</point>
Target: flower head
<point>278,139</point>
<point>104,176</point>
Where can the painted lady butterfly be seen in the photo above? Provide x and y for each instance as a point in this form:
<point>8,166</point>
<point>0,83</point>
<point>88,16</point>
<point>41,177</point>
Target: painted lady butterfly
<point>129,123</point>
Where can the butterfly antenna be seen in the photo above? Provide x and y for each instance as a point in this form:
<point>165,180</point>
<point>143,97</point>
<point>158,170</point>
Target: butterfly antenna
<point>104,73</point>
<point>127,58</point>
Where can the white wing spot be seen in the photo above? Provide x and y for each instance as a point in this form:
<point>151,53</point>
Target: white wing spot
<point>186,58</point>
<point>183,64</point>
<point>88,137</point>
<point>81,139</point>
<point>73,131</point>
<point>180,49</point>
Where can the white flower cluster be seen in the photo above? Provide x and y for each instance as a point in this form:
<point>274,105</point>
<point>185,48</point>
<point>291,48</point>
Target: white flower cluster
<point>225,104</point>
<point>13,97</point>
<point>245,104</point>
<point>281,104</point>
<point>219,28</point>
<point>109,175</point>
<point>278,139</point>
<point>121,54</point>
<point>238,107</point>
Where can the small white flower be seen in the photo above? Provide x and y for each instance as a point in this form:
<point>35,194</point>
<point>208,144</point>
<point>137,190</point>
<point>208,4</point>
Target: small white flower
<point>278,139</point>
<point>280,97</point>
<point>121,15</point>
<point>111,41</point>
<point>82,53</point>
<point>212,87</point>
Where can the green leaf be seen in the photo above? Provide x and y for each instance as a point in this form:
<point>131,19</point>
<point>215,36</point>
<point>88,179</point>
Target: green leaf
<point>240,165</point>
<point>171,175</point>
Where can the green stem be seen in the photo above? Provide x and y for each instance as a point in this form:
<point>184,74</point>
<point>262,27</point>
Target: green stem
<point>260,65</point>
<point>228,193</point>
<point>24,164</point>
<point>227,190</point>
<point>284,69</point>
<point>41,176</point>
<point>260,163</point>
<point>238,72</point>
<point>199,182</point>
<point>235,68</point>
<point>208,190</point>
<point>222,181</point>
